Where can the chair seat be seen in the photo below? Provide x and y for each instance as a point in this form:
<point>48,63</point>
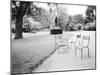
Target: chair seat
<point>62,44</point>
<point>79,46</point>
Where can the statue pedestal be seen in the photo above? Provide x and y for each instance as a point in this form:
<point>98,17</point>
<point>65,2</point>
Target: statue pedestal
<point>56,31</point>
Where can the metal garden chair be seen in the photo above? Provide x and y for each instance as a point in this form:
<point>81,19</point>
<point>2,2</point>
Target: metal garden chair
<point>77,40</point>
<point>61,42</point>
<point>83,46</point>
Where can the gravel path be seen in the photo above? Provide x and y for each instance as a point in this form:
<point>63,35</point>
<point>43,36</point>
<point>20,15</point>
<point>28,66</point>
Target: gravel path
<point>62,60</point>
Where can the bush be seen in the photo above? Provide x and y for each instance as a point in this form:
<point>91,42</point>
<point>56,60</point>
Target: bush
<point>71,27</point>
<point>75,27</point>
<point>79,26</point>
<point>90,27</point>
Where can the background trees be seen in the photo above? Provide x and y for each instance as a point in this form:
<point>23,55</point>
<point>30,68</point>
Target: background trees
<point>90,21</point>
<point>27,15</point>
<point>33,15</point>
<point>63,18</point>
<point>90,14</point>
<point>80,22</point>
<point>76,22</point>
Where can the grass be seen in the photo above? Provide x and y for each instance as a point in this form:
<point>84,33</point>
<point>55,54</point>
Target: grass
<point>28,53</point>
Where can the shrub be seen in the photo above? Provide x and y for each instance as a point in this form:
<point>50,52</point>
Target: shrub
<point>90,27</point>
<point>75,27</point>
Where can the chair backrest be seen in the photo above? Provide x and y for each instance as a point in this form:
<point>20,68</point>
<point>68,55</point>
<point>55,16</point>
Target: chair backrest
<point>58,38</point>
<point>85,40</point>
<point>78,36</point>
<point>78,39</point>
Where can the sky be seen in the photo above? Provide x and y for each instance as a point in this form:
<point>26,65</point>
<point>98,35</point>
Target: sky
<point>76,9</point>
<point>71,9</point>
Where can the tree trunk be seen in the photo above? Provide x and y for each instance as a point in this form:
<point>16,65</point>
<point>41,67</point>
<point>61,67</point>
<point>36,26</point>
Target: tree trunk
<point>19,18</point>
<point>19,21</point>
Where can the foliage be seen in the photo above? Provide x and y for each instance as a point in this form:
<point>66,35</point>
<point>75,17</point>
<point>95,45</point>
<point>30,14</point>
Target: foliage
<point>33,17</point>
<point>71,27</point>
<point>19,9</point>
<point>75,22</point>
<point>90,27</point>
<point>62,17</point>
<point>77,19</point>
<point>90,14</point>
<point>39,18</point>
<point>90,21</point>
<point>63,20</point>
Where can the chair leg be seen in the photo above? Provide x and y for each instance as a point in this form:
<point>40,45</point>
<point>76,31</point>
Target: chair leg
<point>88,52</point>
<point>61,49</point>
<point>81,53</point>
<point>58,49</point>
<point>66,49</point>
<point>75,51</point>
<point>68,46</point>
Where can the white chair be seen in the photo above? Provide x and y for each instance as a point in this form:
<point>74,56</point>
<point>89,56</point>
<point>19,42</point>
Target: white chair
<point>83,46</point>
<point>61,43</point>
<point>76,41</point>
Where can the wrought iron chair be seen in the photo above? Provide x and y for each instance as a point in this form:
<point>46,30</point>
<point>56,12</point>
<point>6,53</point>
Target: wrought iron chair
<point>83,46</point>
<point>61,42</point>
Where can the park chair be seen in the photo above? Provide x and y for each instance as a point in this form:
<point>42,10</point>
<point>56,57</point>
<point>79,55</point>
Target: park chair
<point>83,46</point>
<point>77,40</point>
<point>61,43</point>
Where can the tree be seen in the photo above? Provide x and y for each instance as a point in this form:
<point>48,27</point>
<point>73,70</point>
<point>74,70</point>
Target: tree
<point>75,22</point>
<point>90,27</point>
<point>63,20</point>
<point>90,18</point>
<point>77,19</point>
<point>19,9</point>
<point>43,16</point>
<point>62,17</point>
<point>37,15</point>
<point>90,14</point>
